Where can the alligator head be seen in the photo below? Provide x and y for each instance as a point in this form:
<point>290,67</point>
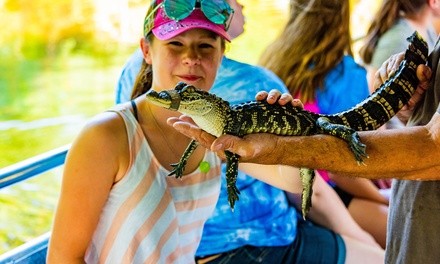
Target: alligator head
<point>207,110</point>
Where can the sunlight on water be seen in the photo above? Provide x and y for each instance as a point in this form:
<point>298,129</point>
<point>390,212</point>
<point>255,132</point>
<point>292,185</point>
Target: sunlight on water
<point>40,123</point>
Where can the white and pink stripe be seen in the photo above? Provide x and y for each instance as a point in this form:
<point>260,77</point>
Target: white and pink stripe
<point>150,217</point>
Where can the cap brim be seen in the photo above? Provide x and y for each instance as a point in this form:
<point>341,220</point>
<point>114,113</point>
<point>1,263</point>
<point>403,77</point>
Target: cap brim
<point>174,28</point>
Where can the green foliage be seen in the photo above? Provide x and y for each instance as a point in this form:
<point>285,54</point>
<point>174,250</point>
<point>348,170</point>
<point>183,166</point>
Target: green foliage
<point>44,28</point>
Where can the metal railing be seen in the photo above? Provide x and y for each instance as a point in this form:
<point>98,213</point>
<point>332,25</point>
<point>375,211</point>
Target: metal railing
<point>35,250</point>
<point>32,166</point>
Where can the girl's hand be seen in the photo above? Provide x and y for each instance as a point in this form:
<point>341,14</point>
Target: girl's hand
<point>275,96</point>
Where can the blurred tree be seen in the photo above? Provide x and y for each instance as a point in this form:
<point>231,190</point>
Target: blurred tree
<point>43,27</point>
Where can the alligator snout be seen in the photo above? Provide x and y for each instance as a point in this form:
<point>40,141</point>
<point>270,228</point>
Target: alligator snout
<point>167,99</point>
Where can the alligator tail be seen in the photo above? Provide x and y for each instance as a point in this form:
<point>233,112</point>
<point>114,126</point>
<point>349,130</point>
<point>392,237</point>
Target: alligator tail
<point>375,110</point>
<point>391,96</point>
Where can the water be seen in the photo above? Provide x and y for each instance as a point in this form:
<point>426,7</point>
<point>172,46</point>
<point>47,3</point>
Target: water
<point>46,105</point>
<point>42,109</point>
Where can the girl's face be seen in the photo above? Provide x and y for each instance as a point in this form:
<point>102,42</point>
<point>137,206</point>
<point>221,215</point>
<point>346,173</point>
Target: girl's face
<point>192,57</point>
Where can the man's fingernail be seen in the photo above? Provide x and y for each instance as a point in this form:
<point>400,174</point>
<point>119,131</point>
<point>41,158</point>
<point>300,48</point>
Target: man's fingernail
<point>426,72</point>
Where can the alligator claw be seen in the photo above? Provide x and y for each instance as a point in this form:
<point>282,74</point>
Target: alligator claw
<point>231,177</point>
<point>358,148</point>
<point>179,167</point>
<point>177,170</point>
<point>233,195</point>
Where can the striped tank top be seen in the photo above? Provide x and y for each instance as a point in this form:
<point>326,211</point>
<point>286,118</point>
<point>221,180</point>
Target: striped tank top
<point>150,217</point>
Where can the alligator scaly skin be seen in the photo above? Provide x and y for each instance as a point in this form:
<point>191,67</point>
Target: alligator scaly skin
<point>217,117</point>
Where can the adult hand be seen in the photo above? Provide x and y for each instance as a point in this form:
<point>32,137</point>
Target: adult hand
<point>389,67</point>
<point>424,75</point>
<point>185,125</point>
<point>261,148</point>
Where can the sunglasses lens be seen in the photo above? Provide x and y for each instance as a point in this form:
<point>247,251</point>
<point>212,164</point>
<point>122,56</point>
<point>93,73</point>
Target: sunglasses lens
<point>218,11</point>
<point>178,9</point>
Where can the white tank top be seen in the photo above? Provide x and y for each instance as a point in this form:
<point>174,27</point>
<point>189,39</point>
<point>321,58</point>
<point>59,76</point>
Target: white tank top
<point>150,217</point>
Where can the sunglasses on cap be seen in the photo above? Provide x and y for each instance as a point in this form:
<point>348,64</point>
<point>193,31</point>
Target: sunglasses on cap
<point>217,11</point>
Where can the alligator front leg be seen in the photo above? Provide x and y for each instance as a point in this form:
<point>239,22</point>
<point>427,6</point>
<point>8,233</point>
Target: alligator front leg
<point>231,177</point>
<point>179,167</point>
<point>307,178</point>
<point>346,133</point>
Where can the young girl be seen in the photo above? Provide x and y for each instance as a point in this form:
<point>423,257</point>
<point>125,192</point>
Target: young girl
<point>117,204</point>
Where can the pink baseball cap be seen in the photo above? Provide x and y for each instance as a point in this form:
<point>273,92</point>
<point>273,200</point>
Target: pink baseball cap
<point>165,28</point>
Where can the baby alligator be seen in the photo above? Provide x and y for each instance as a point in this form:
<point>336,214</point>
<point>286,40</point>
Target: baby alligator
<point>217,117</point>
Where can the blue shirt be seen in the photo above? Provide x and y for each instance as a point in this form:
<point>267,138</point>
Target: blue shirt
<point>126,80</point>
<point>262,216</point>
<point>344,87</point>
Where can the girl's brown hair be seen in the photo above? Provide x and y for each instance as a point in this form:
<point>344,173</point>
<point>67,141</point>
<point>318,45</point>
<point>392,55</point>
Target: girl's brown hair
<point>312,43</point>
<point>144,79</point>
<point>385,18</point>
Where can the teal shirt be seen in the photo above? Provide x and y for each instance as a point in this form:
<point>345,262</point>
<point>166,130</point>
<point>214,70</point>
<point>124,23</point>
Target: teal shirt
<point>394,41</point>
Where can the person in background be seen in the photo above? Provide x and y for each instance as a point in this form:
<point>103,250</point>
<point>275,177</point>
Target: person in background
<point>411,155</point>
<point>394,21</point>
<point>313,57</point>
<point>244,236</point>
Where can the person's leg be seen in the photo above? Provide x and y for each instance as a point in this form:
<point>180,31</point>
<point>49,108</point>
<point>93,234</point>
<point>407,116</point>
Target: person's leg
<point>360,253</point>
<point>372,217</point>
<point>316,244</point>
<point>313,244</point>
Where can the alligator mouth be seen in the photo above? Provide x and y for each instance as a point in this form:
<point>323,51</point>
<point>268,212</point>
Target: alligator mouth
<point>167,99</point>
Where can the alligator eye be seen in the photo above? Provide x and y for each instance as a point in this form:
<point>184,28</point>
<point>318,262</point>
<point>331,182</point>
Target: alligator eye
<point>151,93</point>
<point>187,89</point>
<point>164,95</point>
<point>180,86</point>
